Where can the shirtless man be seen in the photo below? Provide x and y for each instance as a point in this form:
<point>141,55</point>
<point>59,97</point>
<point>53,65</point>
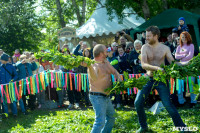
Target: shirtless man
<point>153,55</point>
<point>100,79</point>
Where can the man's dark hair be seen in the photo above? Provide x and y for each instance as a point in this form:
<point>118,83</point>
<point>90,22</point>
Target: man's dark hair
<point>154,30</point>
<point>121,46</point>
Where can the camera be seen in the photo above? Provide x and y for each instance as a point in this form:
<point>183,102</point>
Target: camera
<point>121,33</point>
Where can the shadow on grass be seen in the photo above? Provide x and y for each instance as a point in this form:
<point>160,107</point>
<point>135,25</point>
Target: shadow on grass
<point>25,120</point>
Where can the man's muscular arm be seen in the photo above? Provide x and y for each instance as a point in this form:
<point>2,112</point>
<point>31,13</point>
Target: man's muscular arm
<point>144,62</point>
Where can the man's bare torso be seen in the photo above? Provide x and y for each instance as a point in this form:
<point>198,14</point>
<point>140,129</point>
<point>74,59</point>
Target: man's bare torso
<point>103,80</point>
<point>155,55</point>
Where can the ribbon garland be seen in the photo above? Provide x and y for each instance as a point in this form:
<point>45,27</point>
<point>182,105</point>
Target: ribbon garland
<point>35,84</point>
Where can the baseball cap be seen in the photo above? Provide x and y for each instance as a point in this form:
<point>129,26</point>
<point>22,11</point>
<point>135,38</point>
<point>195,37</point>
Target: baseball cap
<point>109,49</point>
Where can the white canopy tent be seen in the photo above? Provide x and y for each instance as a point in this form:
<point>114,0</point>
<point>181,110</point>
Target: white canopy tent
<point>100,29</point>
<point>99,24</point>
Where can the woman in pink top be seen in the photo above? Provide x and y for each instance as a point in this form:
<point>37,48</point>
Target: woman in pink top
<point>184,53</point>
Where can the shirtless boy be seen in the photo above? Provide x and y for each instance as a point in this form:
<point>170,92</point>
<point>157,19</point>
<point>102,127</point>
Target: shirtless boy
<point>153,55</point>
<point>100,79</point>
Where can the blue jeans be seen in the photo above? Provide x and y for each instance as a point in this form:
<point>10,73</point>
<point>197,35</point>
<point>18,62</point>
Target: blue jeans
<point>104,114</point>
<point>164,93</point>
<point>13,108</point>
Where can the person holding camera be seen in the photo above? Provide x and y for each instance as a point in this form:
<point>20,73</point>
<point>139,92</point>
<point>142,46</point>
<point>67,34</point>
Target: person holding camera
<point>121,37</point>
<point>25,67</point>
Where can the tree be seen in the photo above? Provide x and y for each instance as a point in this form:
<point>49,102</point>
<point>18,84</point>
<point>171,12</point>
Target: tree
<point>56,14</point>
<point>147,8</point>
<point>19,26</point>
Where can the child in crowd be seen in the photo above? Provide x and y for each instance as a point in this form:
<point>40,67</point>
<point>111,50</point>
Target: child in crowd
<point>182,26</point>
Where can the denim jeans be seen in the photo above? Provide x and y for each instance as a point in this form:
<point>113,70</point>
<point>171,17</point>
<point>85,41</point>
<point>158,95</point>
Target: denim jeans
<point>164,93</point>
<point>13,108</point>
<point>104,114</point>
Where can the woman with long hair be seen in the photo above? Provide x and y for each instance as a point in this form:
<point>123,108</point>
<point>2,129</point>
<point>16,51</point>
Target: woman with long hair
<point>184,53</point>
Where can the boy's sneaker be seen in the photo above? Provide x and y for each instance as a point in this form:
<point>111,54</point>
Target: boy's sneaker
<point>70,106</point>
<point>76,105</point>
<point>142,130</point>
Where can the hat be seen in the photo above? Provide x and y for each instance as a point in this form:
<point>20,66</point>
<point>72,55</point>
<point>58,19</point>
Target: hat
<point>109,49</point>
<point>4,57</point>
<point>181,18</point>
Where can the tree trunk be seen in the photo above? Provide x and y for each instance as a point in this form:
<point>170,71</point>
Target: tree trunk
<point>77,12</point>
<point>165,5</point>
<point>83,12</point>
<point>145,9</point>
<point>61,18</point>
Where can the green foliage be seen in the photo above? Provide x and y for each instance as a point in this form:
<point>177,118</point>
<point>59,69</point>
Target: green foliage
<point>171,71</point>
<point>19,26</point>
<point>179,72</point>
<point>121,86</point>
<point>68,61</point>
<point>50,18</point>
<point>155,6</point>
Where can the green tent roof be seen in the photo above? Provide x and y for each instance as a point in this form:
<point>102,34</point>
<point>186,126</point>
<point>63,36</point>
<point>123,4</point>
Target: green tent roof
<point>168,19</point>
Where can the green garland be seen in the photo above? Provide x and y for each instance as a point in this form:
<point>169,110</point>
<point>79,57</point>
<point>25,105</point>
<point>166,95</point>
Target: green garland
<point>121,86</point>
<point>68,61</point>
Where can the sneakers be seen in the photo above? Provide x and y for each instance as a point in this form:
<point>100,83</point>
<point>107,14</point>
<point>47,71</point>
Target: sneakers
<point>142,130</point>
<point>39,106</point>
<point>118,106</point>
<point>70,106</point>
<point>76,105</point>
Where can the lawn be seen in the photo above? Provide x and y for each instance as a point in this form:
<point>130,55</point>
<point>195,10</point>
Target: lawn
<point>80,121</point>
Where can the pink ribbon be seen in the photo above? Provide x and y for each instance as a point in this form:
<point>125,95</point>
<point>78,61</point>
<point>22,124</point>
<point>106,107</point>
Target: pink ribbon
<point>52,79</point>
<point>37,81</point>
<point>2,90</point>
<point>16,91</point>
<point>77,81</point>
<point>130,92</point>
<point>135,92</point>
<point>65,81</point>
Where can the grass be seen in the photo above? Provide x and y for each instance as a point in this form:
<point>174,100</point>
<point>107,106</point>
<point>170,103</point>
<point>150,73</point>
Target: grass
<point>81,121</point>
